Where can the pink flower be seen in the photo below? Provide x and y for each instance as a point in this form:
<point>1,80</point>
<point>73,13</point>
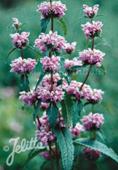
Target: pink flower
<point>47,80</point>
<point>70,47</point>
<point>44,105</point>
<point>73,89</point>
<point>91,154</point>
<point>44,133</point>
<point>45,136</point>
<point>28,98</point>
<point>20,40</point>
<point>56,9</point>
<point>92,95</point>
<point>71,63</point>
<point>50,41</point>
<point>92,121</point>
<point>93,57</point>
<point>22,66</point>
<point>45,94</point>
<point>60,122</point>
<point>57,94</point>
<point>50,63</point>
<point>92,29</point>
<point>90,12</point>
<point>76,131</point>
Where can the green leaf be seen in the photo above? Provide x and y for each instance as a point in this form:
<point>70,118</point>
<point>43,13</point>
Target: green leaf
<point>32,154</point>
<point>24,86</point>
<point>77,108</point>
<point>44,24</point>
<point>98,71</point>
<point>64,111</point>
<point>40,79</point>
<point>52,113</point>
<point>36,110</point>
<point>96,145</point>
<point>60,82</point>
<point>11,51</point>
<point>65,76</point>
<point>65,142</point>
<point>35,51</point>
<point>103,70</point>
<point>67,106</point>
<point>63,26</point>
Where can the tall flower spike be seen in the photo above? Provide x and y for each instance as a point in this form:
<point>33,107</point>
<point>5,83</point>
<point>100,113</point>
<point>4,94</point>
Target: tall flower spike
<point>58,93</point>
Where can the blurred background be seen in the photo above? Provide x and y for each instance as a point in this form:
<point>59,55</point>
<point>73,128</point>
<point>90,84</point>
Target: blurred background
<point>16,121</point>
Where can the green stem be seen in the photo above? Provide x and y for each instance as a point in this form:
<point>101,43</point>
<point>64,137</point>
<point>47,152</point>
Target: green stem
<point>86,78</point>
<point>90,67</point>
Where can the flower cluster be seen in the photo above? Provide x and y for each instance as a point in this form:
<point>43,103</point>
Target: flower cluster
<point>90,12</point>
<point>69,64</point>
<point>92,95</point>
<point>70,47</point>
<point>73,89</point>
<point>44,133</point>
<point>50,63</point>
<point>23,66</point>
<point>92,57</point>
<point>93,121</point>
<point>91,154</point>
<point>76,131</point>
<point>20,40</point>
<point>87,93</point>
<point>93,29</point>
<point>51,40</point>
<point>56,9</point>
<point>28,98</point>
<point>46,95</point>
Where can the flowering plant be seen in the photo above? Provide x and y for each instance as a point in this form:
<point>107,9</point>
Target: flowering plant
<point>57,98</point>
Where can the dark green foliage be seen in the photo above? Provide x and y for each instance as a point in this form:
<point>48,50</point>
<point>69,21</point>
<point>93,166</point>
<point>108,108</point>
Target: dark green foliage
<point>67,106</point>
<point>36,110</point>
<point>77,108</point>
<point>39,80</point>
<point>24,83</point>
<point>44,24</point>
<point>65,143</point>
<point>11,51</point>
<point>63,25</point>
<point>32,154</point>
<point>52,113</point>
